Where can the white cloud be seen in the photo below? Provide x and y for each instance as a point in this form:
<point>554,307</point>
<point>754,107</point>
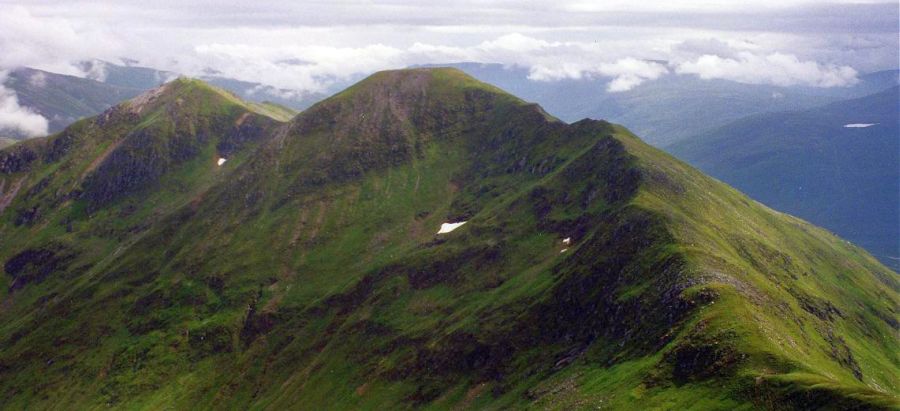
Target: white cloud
<point>776,68</point>
<point>555,40</point>
<point>271,65</point>
<point>626,73</point>
<point>50,43</point>
<point>17,119</point>
<point>38,79</point>
<point>95,70</point>
<point>553,61</point>
<point>630,73</point>
<point>559,71</point>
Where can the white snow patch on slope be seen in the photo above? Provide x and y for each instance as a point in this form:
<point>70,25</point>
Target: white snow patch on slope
<point>859,125</point>
<point>221,161</point>
<point>448,227</point>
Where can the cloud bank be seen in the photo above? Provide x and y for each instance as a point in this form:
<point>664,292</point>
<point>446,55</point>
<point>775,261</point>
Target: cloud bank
<point>313,46</point>
<point>16,119</point>
<point>777,69</point>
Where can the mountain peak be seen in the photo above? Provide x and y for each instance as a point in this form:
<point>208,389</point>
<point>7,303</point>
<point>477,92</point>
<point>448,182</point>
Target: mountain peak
<point>414,84</point>
<point>190,94</point>
<point>176,91</point>
<point>425,98</point>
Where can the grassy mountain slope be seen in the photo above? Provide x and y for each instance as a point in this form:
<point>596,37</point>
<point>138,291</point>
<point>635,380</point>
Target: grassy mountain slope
<point>309,275</point>
<point>808,164</point>
<point>105,179</point>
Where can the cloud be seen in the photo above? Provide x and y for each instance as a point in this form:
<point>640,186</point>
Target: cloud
<point>626,73</point>
<point>38,79</point>
<point>630,73</point>
<point>552,61</point>
<point>316,46</point>
<point>711,46</point>
<point>559,71</point>
<point>94,70</point>
<point>50,43</point>
<point>274,66</point>
<point>776,68</point>
<point>17,119</point>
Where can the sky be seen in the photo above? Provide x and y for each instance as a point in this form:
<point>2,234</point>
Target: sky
<point>311,45</point>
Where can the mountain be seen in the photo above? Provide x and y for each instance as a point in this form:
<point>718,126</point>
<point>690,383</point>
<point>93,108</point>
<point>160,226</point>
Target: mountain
<point>305,271</point>
<point>673,107</point>
<point>128,75</point>
<point>145,78</point>
<point>63,99</point>
<point>294,100</point>
<point>811,164</point>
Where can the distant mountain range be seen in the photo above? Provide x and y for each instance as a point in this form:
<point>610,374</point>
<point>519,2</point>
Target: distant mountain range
<point>145,78</point>
<point>664,111</point>
<point>63,99</point>
<point>837,166</point>
<point>671,108</point>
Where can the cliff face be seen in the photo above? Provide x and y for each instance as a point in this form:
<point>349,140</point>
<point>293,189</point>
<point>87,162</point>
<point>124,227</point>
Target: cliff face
<point>306,272</point>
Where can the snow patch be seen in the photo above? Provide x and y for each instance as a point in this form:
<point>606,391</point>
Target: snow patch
<point>859,125</point>
<point>448,227</point>
<point>221,161</point>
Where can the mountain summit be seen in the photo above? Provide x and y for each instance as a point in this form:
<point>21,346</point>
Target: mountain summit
<point>308,271</point>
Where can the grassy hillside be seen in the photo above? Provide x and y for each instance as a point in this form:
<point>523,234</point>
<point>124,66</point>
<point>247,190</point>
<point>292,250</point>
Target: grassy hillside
<point>306,272</point>
<point>809,164</point>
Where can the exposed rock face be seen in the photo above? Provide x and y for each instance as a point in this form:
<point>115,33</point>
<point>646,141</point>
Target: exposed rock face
<point>35,265</point>
<point>17,159</point>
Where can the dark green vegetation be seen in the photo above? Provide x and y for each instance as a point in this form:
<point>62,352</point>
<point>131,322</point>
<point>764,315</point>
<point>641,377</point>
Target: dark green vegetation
<point>808,164</point>
<point>305,272</point>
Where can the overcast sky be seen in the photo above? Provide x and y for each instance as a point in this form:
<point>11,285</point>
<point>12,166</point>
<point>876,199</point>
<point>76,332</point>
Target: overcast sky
<point>306,45</point>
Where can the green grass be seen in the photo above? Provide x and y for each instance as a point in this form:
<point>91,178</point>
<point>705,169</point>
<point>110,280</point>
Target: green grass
<point>306,271</point>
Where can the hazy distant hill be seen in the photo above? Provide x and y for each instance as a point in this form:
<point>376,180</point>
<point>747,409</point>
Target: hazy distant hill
<point>808,163</point>
<point>146,78</point>
<point>62,99</point>
<point>672,107</point>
